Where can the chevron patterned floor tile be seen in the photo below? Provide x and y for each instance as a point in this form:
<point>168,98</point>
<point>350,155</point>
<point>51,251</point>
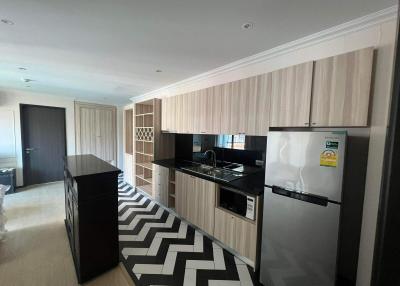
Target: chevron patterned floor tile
<point>157,248</point>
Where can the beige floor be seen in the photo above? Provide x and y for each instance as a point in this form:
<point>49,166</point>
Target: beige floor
<point>36,251</point>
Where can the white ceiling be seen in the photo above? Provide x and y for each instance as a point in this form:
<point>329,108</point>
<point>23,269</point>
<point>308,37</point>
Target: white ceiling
<point>109,50</point>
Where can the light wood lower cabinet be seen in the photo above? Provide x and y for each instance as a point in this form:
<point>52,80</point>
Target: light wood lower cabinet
<point>245,238</point>
<point>182,184</point>
<point>205,195</point>
<point>160,183</point>
<point>225,227</point>
<point>237,233</point>
<point>195,200</point>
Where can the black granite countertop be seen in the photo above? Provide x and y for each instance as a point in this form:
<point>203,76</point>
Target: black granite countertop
<point>86,165</point>
<point>252,184</point>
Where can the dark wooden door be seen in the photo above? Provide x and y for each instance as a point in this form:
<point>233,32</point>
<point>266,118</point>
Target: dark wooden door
<point>43,143</point>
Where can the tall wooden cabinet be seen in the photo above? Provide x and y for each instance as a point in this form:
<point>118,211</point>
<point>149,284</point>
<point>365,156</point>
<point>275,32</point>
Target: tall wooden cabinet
<point>341,89</point>
<point>129,146</point>
<point>150,144</point>
<point>96,131</point>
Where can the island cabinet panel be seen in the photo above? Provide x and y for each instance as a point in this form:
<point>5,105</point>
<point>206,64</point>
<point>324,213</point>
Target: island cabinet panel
<point>291,96</point>
<point>341,89</point>
<point>91,206</point>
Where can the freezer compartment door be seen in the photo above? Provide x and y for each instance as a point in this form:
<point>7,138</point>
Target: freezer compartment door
<point>310,162</point>
<point>299,242</point>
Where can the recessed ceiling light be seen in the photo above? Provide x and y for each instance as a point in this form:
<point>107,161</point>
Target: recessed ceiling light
<point>27,79</point>
<point>6,21</point>
<point>248,26</point>
<point>22,69</point>
<point>158,70</point>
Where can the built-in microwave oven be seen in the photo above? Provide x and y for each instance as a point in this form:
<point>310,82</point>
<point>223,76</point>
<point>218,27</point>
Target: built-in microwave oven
<point>237,202</point>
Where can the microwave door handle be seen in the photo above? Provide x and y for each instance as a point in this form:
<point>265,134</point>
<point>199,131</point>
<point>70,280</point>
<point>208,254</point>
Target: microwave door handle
<point>305,197</point>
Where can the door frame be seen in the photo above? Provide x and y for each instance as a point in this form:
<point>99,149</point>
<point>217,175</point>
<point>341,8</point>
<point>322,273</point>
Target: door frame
<point>385,263</point>
<point>23,105</point>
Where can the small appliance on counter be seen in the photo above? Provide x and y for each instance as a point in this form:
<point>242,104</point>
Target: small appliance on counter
<point>302,203</point>
<point>237,202</point>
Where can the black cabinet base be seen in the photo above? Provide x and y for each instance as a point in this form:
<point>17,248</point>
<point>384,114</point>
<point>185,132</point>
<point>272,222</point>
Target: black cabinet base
<point>91,207</point>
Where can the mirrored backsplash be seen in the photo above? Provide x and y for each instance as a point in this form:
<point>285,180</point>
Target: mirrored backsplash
<point>240,149</point>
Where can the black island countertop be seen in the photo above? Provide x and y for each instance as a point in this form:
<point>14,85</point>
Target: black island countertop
<point>86,165</point>
<point>252,184</point>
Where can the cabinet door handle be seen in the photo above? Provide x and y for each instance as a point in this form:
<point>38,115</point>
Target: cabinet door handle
<point>314,123</point>
<point>306,124</point>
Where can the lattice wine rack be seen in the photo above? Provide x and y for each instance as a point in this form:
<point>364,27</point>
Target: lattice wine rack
<point>145,134</point>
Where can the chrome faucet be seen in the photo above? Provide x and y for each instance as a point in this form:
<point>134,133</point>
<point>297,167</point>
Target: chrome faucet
<point>214,157</point>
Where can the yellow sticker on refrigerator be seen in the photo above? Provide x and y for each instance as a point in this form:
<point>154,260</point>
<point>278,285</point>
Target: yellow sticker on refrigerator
<point>328,158</point>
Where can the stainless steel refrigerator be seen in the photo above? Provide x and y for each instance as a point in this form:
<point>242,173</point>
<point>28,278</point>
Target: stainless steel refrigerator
<point>302,201</point>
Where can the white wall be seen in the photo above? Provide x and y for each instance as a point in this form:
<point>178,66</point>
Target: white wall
<point>10,101</point>
<point>376,30</point>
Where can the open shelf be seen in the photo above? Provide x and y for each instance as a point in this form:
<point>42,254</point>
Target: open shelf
<point>142,177</point>
<point>146,188</point>
<point>145,114</point>
<point>129,131</point>
<point>146,165</point>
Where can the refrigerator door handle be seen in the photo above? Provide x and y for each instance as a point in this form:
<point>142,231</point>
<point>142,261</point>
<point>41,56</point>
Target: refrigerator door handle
<point>305,197</point>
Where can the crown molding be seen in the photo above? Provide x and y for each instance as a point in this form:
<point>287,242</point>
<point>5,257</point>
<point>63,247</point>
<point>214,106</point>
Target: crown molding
<point>352,26</point>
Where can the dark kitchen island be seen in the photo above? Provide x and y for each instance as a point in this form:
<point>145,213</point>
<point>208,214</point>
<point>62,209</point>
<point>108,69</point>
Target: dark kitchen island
<point>91,206</point>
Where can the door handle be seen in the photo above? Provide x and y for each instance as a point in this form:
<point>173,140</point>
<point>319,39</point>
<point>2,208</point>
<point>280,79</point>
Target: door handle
<point>29,150</point>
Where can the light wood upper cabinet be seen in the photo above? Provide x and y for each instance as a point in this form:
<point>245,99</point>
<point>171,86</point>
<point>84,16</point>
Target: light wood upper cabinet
<point>168,114</point>
<point>179,113</point>
<point>258,105</point>
<point>189,108</point>
<point>226,108</point>
<point>341,89</point>
<point>234,105</point>
<point>291,96</point>
<point>207,111</point>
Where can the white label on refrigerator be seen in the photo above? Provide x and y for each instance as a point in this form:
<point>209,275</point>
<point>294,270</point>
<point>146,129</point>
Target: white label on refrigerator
<point>250,208</point>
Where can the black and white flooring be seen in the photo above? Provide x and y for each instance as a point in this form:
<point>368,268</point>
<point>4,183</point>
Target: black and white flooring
<point>157,248</point>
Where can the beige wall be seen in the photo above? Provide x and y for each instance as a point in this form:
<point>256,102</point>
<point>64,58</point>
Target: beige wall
<point>379,34</point>
<point>10,101</point>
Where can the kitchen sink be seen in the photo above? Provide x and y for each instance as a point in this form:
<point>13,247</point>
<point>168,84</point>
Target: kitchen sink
<point>214,172</point>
